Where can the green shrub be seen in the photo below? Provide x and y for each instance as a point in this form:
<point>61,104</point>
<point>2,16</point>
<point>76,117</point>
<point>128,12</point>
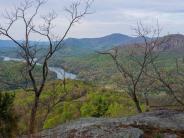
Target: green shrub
<point>115,110</point>
<point>119,110</point>
<point>95,107</point>
<point>68,111</point>
<point>8,118</point>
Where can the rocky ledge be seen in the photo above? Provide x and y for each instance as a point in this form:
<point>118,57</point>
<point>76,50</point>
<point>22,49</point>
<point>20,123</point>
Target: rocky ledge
<point>157,124</point>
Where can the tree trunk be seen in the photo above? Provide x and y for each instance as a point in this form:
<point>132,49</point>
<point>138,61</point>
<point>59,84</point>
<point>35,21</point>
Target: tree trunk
<point>146,101</point>
<point>64,82</point>
<point>136,102</point>
<point>33,116</point>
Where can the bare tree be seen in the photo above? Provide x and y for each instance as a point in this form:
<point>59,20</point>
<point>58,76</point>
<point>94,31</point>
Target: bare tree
<point>171,80</point>
<point>27,13</point>
<point>133,62</point>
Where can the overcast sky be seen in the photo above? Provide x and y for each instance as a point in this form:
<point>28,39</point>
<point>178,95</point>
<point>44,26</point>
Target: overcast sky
<point>112,16</point>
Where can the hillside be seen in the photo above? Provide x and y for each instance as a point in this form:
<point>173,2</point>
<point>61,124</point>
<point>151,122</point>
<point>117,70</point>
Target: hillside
<point>74,46</point>
<point>85,46</point>
<point>12,75</point>
<point>80,100</point>
<point>100,43</point>
<point>91,69</point>
<point>97,93</point>
<point>95,67</point>
<point>60,104</point>
<point>78,55</point>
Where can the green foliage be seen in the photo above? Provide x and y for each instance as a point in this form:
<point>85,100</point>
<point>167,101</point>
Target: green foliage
<point>108,104</point>
<point>96,106</point>
<point>117,110</point>
<point>94,68</point>
<point>13,75</point>
<point>100,69</point>
<point>8,118</point>
<point>64,111</point>
<point>96,102</point>
<point>61,114</point>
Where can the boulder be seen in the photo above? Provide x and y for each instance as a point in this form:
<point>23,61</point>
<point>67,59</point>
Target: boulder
<point>164,123</point>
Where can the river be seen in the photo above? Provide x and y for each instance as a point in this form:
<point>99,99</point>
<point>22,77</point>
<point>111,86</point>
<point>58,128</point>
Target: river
<point>60,73</point>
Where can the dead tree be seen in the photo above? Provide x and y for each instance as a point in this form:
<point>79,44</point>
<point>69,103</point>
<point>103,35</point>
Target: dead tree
<point>134,65</point>
<point>170,80</point>
<point>27,13</point>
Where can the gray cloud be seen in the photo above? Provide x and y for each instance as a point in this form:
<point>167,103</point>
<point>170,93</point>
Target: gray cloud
<point>115,16</point>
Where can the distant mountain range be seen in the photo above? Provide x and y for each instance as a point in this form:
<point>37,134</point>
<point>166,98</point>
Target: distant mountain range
<point>88,45</point>
<point>6,43</point>
<point>76,46</point>
<point>101,42</point>
<point>108,41</point>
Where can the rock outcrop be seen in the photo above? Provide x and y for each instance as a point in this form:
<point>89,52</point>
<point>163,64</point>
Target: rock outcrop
<point>166,124</point>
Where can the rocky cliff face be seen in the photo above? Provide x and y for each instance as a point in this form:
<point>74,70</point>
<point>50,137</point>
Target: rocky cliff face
<point>157,124</point>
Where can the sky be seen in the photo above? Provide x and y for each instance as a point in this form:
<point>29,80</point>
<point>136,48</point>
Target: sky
<point>109,16</point>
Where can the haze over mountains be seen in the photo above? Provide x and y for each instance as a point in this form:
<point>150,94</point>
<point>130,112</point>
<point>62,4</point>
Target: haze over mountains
<point>109,40</point>
<point>74,46</point>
